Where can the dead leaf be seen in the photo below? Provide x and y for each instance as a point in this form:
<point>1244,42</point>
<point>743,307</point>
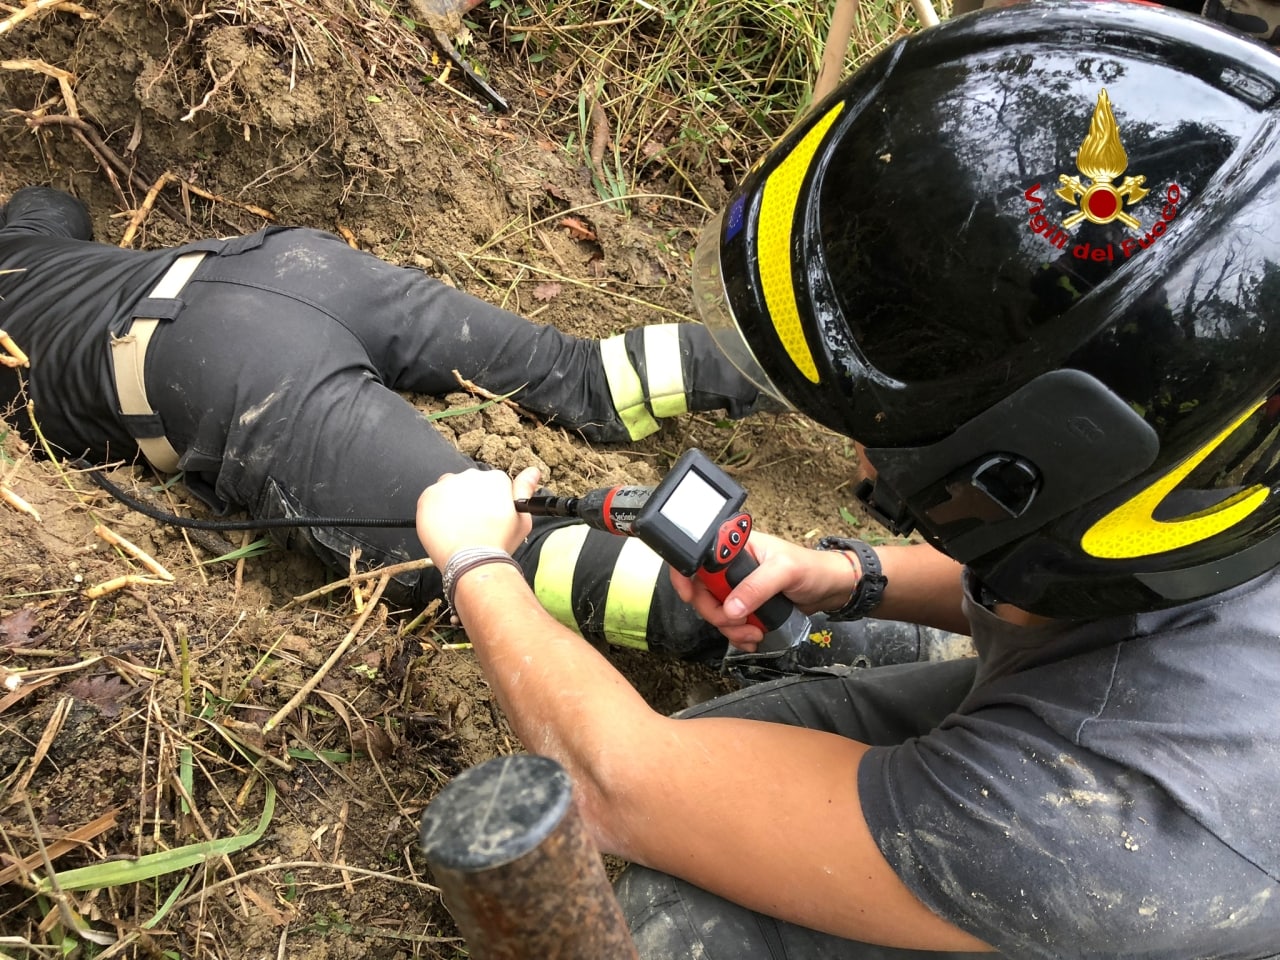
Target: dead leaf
<point>16,628</point>
<point>554,191</point>
<point>548,290</point>
<point>104,693</point>
<point>578,229</point>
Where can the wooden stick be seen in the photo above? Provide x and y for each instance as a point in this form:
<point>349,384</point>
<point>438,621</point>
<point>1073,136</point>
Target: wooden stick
<point>31,9</point>
<point>106,156</point>
<point>98,591</point>
<point>64,78</point>
<point>14,351</point>
<point>140,215</point>
<point>15,501</point>
<point>395,570</point>
<point>305,690</point>
<point>836,48</point>
<point>134,551</point>
<point>925,13</point>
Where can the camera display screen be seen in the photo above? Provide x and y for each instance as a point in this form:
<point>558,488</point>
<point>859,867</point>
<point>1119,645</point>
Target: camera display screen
<point>693,506</point>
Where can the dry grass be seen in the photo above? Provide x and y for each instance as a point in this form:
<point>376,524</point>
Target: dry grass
<point>667,91</point>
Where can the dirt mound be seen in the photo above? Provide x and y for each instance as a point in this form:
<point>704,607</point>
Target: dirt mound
<point>133,719</point>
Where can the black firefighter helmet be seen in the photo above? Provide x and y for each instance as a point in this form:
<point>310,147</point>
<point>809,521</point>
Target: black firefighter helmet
<point>1030,259</point>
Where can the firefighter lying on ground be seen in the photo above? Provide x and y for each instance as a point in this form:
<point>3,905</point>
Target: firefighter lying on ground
<point>1090,444</point>
<point>265,368</point>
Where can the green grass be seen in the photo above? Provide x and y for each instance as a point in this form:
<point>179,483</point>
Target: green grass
<point>689,88</point>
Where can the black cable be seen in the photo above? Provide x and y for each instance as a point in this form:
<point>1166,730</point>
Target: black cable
<point>97,476</point>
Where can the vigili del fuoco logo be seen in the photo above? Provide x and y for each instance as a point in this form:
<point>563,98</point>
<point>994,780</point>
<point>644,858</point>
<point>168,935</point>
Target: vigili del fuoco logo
<point>1097,197</point>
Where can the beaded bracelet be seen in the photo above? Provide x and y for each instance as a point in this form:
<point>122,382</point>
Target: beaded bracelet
<point>466,560</point>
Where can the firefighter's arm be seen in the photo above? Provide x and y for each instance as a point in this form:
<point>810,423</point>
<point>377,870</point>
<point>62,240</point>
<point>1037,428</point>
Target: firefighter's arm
<point>763,814</point>
<point>923,586</point>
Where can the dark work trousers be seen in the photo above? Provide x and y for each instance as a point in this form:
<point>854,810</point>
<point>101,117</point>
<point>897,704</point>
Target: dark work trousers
<point>674,920</point>
<point>286,363</point>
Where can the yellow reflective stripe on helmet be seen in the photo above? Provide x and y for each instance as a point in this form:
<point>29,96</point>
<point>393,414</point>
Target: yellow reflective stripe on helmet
<point>553,580</point>
<point>663,370</point>
<point>631,589</point>
<point>625,389</point>
<point>777,217</point>
<point>1131,530</point>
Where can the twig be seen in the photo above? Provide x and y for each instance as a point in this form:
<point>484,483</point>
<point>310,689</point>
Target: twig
<point>218,84</point>
<point>480,391</point>
<point>309,865</point>
<point>140,215</point>
<point>39,6</point>
<point>409,566</point>
<point>134,551</point>
<point>65,844</point>
<point>15,501</point>
<point>98,591</point>
<point>217,198</point>
<point>305,690</point>
<point>64,78</point>
<point>51,729</point>
<point>106,156</point>
<point>357,594</point>
<point>15,358</point>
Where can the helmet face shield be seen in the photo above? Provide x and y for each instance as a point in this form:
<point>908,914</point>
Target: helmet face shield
<point>1049,188</point>
<point>713,307</point>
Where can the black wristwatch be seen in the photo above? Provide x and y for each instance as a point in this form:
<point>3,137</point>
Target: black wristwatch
<point>866,596</point>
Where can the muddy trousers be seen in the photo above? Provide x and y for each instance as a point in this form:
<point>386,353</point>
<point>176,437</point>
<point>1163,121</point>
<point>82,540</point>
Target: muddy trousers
<point>674,920</point>
<point>278,383</point>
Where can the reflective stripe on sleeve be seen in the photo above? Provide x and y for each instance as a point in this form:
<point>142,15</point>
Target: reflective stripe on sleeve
<point>664,370</point>
<point>625,389</point>
<point>553,580</point>
<point>631,589</point>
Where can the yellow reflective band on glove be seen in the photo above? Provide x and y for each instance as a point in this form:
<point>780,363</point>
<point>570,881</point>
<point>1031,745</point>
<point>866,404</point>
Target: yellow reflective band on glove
<point>625,389</point>
<point>664,371</point>
<point>631,589</point>
<point>553,580</point>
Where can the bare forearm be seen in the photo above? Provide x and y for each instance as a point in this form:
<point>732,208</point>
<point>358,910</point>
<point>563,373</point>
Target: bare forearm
<point>562,697</point>
<point>924,587</point>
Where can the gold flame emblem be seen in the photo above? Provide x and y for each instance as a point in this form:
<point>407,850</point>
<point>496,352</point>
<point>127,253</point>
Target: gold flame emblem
<point>1102,159</point>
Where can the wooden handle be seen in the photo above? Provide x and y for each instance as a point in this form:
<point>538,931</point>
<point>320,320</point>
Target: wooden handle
<point>519,873</point>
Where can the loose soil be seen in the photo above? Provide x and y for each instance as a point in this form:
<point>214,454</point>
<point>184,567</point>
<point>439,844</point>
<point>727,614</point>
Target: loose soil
<point>133,724</point>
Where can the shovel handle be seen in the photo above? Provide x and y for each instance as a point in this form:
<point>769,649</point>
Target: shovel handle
<point>518,871</point>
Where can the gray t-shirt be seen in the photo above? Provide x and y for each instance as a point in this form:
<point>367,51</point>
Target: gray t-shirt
<point>1108,789</point>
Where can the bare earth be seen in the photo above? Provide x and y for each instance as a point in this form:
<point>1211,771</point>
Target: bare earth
<point>135,725</point>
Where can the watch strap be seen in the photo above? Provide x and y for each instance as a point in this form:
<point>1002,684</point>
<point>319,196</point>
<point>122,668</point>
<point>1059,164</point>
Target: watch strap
<point>869,590</point>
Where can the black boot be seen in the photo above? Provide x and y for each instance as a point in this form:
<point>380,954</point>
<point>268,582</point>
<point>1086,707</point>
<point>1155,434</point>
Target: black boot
<point>854,643</point>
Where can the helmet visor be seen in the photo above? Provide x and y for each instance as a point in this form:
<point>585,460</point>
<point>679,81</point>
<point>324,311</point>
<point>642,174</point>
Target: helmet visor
<point>713,307</point>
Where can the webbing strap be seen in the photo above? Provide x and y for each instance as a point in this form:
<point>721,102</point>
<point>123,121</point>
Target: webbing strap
<point>625,388</point>
<point>664,370</point>
<point>129,362</point>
